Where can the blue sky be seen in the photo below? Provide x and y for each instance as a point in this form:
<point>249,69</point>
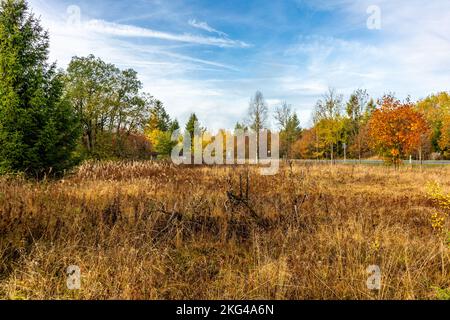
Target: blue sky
<point>209,57</point>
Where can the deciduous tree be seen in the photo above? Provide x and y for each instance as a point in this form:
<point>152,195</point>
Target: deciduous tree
<point>444,141</point>
<point>396,128</point>
<point>108,101</point>
<point>257,117</point>
<point>435,109</point>
<point>356,111</point>
<point>328,120</point>
<point>160,129</point>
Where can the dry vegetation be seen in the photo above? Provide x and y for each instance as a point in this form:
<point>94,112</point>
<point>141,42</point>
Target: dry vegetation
<point>156,231</point>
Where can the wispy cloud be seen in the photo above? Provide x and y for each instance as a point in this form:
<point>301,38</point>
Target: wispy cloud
<point>123,30</point>
<point>206,27</point>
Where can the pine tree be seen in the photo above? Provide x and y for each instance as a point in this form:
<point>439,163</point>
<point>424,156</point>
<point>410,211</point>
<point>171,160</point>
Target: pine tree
<point>159,118</point>
<point>192,125</point>
<point>174,126</point>
<point>241,127</point>
<point>292,133</point>
<point>38,129</point>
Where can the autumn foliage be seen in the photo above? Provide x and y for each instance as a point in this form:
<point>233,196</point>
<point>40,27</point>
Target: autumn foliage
<point>396,128</point>
<point>444,142</point>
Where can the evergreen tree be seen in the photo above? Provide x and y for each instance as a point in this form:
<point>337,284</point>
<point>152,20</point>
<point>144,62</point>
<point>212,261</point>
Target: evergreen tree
<point>291,133</point>
<point>38,128</point>
<point>192,124</point>
<point>159,118</point>
<point>174,126</point>
<point>240,126</point>
<point>289,126</point>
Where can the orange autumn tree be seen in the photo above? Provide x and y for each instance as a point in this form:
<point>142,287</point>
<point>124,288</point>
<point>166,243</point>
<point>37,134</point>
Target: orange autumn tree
<point>396,128</point>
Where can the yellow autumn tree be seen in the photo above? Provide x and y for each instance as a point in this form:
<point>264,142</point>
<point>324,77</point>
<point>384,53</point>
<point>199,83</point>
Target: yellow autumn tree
<point>436,110</point>
<point>159,130</point>
<point>444,142</point>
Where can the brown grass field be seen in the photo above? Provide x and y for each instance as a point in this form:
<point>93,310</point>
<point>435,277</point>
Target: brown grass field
<point>156,231</point>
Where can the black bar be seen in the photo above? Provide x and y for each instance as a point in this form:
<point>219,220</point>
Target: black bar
<point>228,309</point>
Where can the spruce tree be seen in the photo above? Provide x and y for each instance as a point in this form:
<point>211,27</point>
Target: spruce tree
<point>192,125</point>
<point>38,128</point>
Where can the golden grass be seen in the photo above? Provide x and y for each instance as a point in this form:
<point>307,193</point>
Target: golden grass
<point>156,231</point>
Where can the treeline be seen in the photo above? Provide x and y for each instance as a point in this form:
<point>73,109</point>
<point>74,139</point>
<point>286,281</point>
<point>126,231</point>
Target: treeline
<point>362,128</point>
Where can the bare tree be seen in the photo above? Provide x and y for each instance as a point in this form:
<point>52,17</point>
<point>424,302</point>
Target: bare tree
<point>329,107</point>
<point>356,108</point>
<point>257,113</point>
<point>282,115</point>
<point>257,116</point>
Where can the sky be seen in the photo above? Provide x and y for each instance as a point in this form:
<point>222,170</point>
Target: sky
<point>210,57</point>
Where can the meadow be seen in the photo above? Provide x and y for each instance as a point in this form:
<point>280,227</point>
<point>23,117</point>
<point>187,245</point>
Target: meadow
<point>144,230</point>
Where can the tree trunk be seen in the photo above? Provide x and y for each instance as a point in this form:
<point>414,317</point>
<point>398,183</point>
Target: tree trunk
<point>420,157</point>
<point>90,140</point>
<point>332,154</point>
<point>359,151</point>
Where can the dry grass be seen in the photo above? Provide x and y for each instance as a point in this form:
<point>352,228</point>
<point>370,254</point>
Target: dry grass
<point>155,231</point>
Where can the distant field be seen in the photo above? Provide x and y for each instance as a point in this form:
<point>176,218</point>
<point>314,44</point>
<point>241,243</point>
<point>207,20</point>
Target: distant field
<point>156,231</point>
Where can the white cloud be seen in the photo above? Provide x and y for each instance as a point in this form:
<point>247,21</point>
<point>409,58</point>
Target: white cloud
<point>205,26</point>
<point>122,30</point>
